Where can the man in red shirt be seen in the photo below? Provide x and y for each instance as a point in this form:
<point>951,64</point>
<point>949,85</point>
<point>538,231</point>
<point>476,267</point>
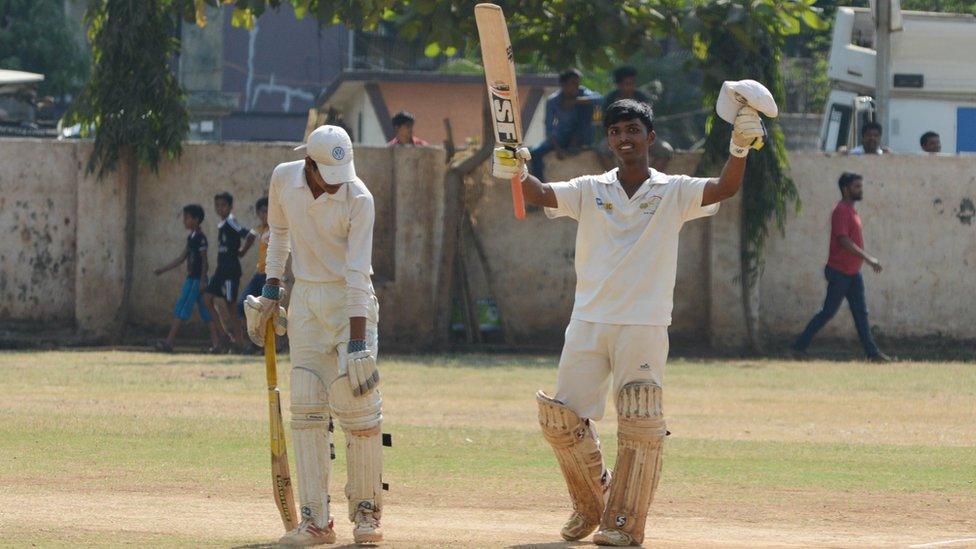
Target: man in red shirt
<point>843,270</point>
<point>403,131</point>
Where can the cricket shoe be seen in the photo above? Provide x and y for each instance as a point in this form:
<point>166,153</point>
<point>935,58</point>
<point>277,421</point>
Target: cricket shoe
<point>367,528</point>
<point>578,527</point>
<point>612,536</point>
<point>308,534</point>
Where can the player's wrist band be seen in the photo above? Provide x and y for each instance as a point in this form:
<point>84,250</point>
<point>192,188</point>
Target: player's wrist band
<point>736,150</point>
<point>356,345</point>
<point>271,291</point>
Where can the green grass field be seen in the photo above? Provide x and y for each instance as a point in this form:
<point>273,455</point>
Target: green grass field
<point>114,448</point>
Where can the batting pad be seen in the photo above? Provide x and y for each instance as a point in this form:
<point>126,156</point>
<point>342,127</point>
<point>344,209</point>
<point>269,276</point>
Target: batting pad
<point>361,419</point>
<point>312,440</point>
<point>578,453</point>
<point>640,438</point>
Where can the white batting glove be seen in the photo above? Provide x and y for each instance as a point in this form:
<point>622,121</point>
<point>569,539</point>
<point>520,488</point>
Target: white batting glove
<point>748,132</point>
<point>361,368</point>
<point>257,311</point>
<point>507,163</point>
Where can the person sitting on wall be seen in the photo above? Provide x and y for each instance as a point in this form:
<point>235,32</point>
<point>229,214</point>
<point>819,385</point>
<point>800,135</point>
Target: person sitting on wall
<point>931,142</point>
<point>569,120</point>
<point>870,141</point>
<point>403,131</point>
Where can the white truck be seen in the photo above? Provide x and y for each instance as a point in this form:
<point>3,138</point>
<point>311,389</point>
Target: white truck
<point>932,68</point>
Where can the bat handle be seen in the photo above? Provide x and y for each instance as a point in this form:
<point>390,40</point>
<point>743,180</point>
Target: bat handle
<point>518,201</point>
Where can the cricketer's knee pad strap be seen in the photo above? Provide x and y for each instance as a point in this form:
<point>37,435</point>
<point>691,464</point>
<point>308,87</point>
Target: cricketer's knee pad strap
<point>361,419</point>
<point>640,438</point>
<point>311,438</point>
<point>577,450</point>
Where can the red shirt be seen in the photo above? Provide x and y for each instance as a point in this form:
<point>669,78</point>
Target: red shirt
<point>845,222</point>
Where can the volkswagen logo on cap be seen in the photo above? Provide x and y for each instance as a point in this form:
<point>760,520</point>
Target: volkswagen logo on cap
<point>338,153</point>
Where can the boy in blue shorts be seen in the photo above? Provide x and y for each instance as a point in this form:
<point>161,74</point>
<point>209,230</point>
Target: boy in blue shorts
<point>195,256</point>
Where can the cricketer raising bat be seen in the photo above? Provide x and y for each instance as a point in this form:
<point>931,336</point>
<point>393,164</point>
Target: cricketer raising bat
<point>499,62</point>
<point>280,476</point>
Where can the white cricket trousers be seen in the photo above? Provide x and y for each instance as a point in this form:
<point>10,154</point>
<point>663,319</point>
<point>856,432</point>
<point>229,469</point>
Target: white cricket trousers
<point>595,353</point>
<point>318,330</point>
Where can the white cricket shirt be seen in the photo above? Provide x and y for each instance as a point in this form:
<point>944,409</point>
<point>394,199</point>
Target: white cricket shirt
<point>330,237</point>
<point>627,248</point>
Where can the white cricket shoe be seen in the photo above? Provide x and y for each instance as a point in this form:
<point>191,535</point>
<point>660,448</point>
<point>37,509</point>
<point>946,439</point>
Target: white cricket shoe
<point>308,534</point>
<point>367,528</point>
<point>578,527</point>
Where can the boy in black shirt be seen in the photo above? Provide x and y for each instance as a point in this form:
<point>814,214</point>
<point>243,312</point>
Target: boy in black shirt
<point>195,255</point>
<point>227,278</point>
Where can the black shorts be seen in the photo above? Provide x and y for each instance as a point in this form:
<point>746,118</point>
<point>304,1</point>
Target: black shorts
<point>224,285</point>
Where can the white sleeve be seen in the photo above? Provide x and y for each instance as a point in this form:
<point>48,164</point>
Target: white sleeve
<point>689,190</point>
<point>279,245</point>
<point>359,255</point>
<point>569,197</point>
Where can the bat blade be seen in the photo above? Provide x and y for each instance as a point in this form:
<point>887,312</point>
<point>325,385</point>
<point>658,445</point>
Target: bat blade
<point>280,474</point>
<point>499,62</point>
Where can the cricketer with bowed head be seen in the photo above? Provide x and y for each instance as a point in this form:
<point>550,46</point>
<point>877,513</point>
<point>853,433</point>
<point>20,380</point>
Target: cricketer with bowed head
<point>626,262</point>
<point>321,213</point>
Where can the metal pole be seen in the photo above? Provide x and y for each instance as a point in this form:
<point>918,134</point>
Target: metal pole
<point>882,45</point>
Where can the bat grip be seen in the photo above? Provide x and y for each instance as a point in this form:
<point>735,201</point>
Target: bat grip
<point>270,358</point>
<point>518,201</point>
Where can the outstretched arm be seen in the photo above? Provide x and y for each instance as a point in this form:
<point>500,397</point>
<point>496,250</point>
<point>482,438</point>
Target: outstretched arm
<point>172,264</point>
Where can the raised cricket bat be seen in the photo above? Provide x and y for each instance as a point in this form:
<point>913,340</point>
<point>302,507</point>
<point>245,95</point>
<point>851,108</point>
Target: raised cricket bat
<point>280,475</point>
<point>499,62</point>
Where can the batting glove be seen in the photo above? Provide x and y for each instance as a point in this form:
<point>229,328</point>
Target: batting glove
<point>748,132</point>
<point>508,163</point>
<point>257,311</point>
<point>361,368</point>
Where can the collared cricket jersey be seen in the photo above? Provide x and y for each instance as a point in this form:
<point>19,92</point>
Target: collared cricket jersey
<point>330,238</point>
<point>627,248</point>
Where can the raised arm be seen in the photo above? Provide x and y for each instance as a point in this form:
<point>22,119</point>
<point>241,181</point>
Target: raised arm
<point>748,133</point>
<point>727,184</point>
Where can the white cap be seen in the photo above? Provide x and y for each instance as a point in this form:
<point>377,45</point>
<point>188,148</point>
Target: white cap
<point>735,95</point>
<point>331,148</point>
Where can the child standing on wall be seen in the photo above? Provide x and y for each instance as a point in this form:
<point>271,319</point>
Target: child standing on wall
<point>195,256</point>
<point>262,235</point>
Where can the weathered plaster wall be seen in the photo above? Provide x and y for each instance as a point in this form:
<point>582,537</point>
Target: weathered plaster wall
<point>38,205</point>
<point>61,242</point>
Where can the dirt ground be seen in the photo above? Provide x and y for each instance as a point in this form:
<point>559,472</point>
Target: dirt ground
<point>423,523</point>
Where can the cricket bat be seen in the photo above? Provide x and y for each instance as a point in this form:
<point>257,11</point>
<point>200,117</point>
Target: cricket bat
<point>280,475</point>
<point>499,62</point>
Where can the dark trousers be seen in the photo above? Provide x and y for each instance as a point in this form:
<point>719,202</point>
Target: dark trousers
<point>839,287</point>
<point>537,165</point>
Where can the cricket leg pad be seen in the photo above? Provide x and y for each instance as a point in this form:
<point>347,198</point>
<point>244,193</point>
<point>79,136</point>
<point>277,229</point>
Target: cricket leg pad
<point>361,418</point>
<point>577,448</point>
<point>640,438</point>
<point>312,440</point>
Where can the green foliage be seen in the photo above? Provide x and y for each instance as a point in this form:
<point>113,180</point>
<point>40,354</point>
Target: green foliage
<point>743,39</point>
<point>35,36</point>
<point>133,98</point>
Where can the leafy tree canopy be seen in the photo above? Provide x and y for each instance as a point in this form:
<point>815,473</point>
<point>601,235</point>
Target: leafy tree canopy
<point>35,36</point>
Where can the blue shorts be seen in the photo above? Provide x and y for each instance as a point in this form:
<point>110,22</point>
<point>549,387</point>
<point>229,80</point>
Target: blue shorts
<point>190,295</point>
<point>254,287</point>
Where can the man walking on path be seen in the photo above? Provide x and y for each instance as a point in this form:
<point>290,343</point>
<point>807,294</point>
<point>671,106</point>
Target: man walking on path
<point>843,270</point>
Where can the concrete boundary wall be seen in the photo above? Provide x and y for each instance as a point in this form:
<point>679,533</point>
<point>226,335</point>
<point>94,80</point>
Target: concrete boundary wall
<point>61,253</point>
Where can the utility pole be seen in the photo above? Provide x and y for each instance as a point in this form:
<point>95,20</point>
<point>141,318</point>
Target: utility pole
<point>882,45</point>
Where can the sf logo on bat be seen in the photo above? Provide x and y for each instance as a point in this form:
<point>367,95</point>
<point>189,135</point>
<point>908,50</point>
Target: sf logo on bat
<point>504,112</point>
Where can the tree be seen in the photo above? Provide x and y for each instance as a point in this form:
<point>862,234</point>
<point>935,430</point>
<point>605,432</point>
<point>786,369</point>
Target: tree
<point>36,36</point>
<point>132,102</point>
<point>743,39</point>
